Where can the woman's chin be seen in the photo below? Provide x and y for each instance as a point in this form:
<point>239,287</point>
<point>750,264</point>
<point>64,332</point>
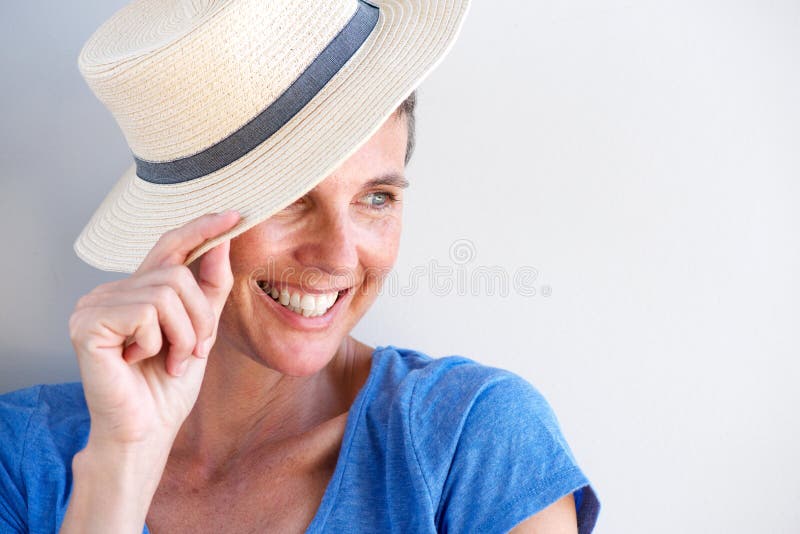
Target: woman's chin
<point>300,359</point>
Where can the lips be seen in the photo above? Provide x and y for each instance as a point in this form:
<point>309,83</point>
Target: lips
<point>303,310</point>
<point>299,301</point>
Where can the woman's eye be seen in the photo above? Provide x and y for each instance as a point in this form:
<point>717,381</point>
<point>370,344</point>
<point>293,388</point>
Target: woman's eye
<point>379,200</point>
<point>296,204</point>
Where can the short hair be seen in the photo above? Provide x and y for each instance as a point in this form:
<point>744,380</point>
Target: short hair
<point>407,108</point>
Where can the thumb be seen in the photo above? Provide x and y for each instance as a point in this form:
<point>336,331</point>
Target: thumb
<point>214,275</point>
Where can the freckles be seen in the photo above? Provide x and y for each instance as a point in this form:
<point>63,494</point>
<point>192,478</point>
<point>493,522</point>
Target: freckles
<point>270,238</point>
<point>380,243</point>
<point>277,231</point>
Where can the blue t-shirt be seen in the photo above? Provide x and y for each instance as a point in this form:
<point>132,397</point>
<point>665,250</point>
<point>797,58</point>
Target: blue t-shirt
<point>430,445</point>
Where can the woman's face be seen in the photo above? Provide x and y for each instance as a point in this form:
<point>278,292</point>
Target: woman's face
<point>338,241</point>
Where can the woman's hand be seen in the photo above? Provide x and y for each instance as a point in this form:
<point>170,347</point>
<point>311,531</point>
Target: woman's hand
<point>142,342</point>
<point>142,345</point>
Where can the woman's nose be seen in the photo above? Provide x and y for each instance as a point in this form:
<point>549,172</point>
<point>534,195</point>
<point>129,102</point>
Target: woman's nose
<point>331,247</point>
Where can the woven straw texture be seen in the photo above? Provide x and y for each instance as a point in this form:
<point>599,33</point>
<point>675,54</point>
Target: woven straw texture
<point>179,76</point>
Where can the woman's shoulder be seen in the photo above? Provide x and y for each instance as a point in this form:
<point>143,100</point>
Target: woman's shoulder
<point>487,442</point>
<point>442,401</point>
<point>419,364</point>
<point>457,381</point>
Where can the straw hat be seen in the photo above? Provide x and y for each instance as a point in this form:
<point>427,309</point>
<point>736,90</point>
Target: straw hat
<point>245,104</point>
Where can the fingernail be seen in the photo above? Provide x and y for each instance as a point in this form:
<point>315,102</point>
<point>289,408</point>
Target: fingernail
<point>182,367</point>
<point>205,348</point>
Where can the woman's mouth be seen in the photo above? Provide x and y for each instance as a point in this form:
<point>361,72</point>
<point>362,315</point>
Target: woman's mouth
<point>301,303</point>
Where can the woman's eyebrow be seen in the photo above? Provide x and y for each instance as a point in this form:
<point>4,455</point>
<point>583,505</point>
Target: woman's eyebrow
<point>394,179</point>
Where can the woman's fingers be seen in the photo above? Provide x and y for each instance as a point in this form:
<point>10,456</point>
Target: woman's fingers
<point>214,276</point>
<point>98,331</point>
<point>215,279</point>
<point>164,298</point>
<point>175,246</point>
<point>145,342</point>
<point>212,270</point>
<point>200,310</point>
<point>170,317</point>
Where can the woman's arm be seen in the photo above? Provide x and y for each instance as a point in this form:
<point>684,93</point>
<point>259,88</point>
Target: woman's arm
<point>558,518</point>
<point>112,488</point>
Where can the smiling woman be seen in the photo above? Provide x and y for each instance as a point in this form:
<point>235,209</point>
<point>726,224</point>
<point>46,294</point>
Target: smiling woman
<point>221,389</point>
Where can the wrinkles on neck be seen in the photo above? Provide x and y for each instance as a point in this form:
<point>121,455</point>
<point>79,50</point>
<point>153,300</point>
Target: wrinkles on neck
<point>246,410</point>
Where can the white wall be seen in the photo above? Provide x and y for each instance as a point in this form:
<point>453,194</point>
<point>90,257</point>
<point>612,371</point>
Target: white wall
<point>641,156</point>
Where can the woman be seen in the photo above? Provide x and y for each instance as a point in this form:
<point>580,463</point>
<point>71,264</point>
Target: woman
<point>221,390</point>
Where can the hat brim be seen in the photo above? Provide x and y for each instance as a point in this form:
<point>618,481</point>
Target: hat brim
<point>410,39</point>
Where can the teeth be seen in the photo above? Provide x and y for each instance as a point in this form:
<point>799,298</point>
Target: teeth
<point>302,303</point>
<point>308,302</point>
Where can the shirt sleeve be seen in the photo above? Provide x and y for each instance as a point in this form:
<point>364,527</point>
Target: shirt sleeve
<point>16,410</point>
<point>510,462</point>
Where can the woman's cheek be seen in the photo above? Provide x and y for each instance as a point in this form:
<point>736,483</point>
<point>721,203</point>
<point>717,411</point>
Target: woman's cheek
<point>383,237</point>
<point>378,252</point>
<point>263,243</point>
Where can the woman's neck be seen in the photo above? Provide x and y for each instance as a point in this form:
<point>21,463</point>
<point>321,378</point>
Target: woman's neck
<point>245,408</point>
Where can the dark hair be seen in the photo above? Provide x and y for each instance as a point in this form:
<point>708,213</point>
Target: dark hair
<point>407,108</point>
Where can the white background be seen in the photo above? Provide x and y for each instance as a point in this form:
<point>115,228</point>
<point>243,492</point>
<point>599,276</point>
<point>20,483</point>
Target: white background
<point>641,156</point>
